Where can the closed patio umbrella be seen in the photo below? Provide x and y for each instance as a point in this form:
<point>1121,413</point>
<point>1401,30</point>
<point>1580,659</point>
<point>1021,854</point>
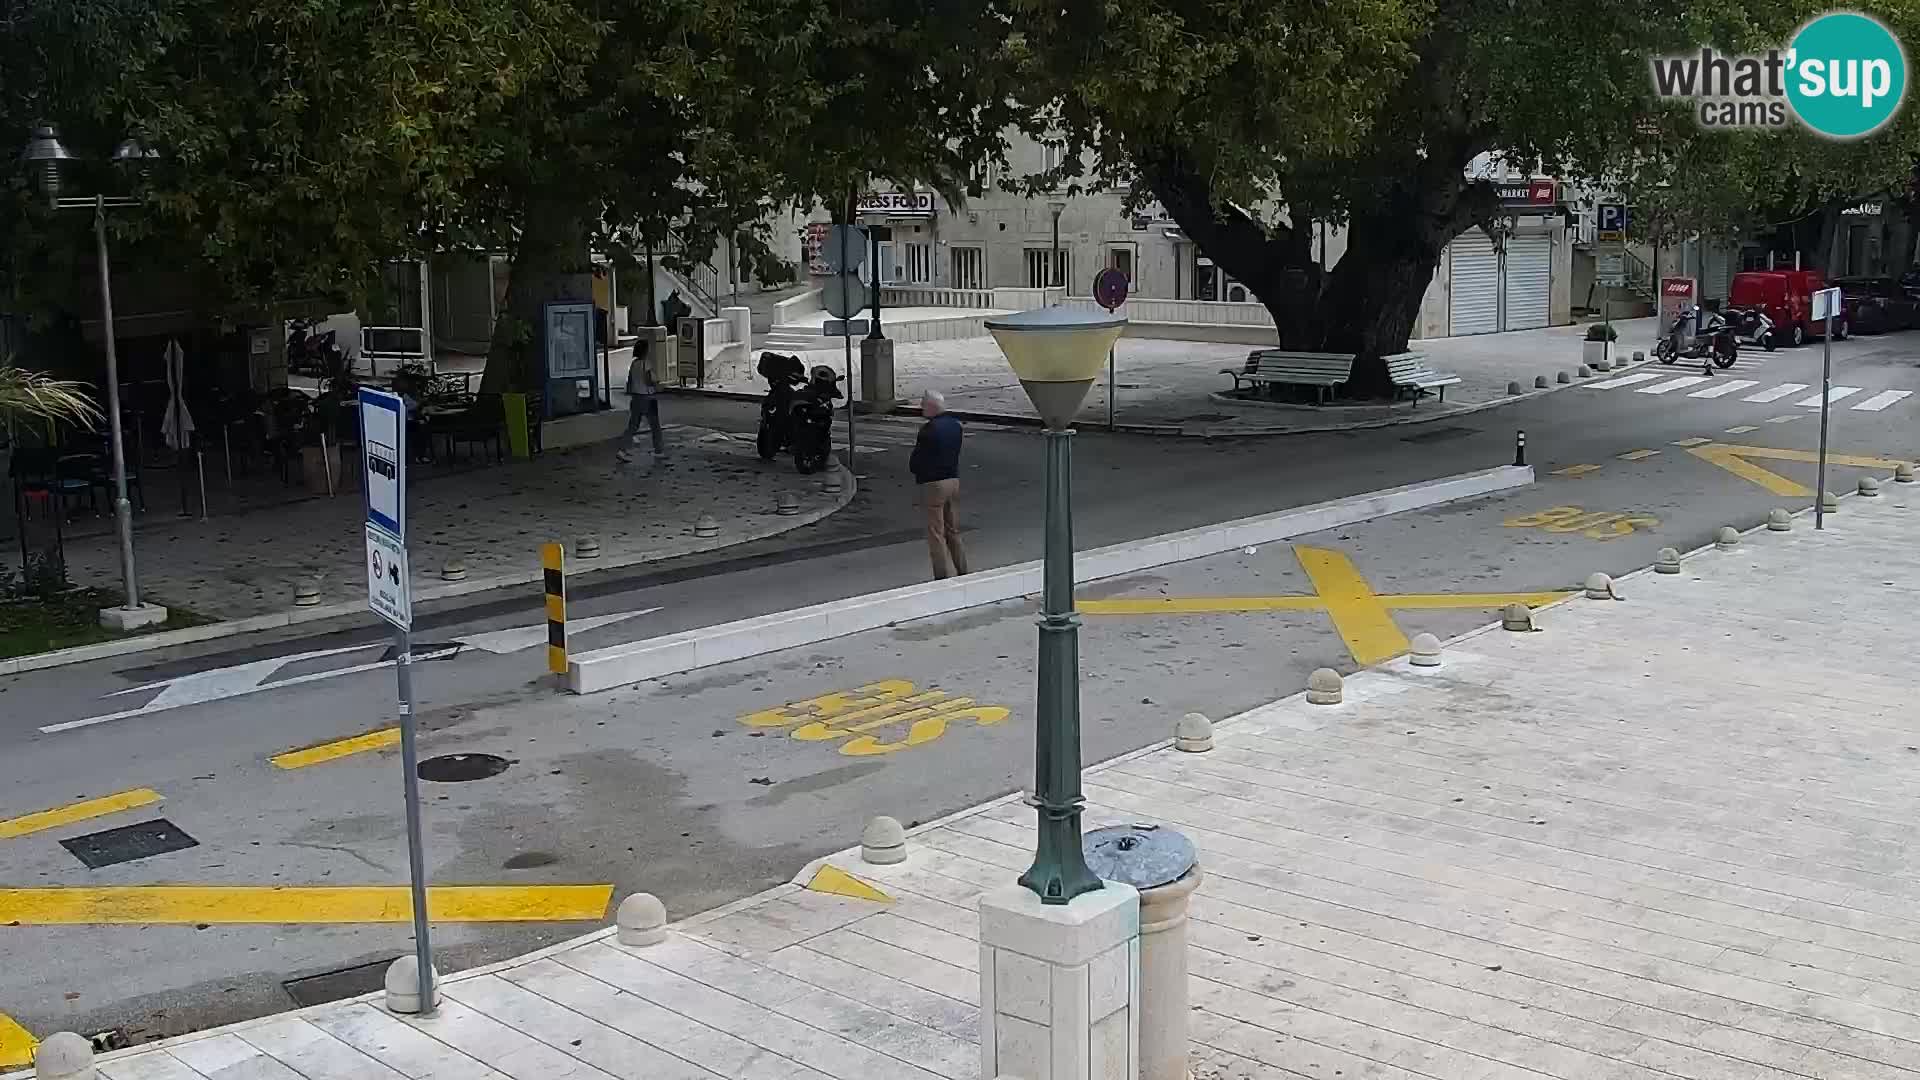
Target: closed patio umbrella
<point>177,429</point>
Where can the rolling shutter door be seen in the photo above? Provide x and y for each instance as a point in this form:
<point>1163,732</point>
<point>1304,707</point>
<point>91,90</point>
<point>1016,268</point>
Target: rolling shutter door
<point>1473,305</point>
<point>1529,282</point>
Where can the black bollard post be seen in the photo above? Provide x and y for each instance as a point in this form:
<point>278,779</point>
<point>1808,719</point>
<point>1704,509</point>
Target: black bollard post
<point>1519,448</point>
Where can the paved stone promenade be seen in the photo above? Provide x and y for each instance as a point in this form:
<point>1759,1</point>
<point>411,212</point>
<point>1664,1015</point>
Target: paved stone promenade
<point>1664,836</point>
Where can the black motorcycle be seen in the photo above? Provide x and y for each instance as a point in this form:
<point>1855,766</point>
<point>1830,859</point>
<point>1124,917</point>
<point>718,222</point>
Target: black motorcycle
<point>1716,340</point>
<point>784,375</point>
<point>812,414</point>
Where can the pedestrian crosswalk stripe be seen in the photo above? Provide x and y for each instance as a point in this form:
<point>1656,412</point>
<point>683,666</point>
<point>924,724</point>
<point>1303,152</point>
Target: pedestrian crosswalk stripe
<point>1629,380</point>
<point>1680,383</point>
<point>1813,400</point>
<point>1722,387</point>
<point>1881,400</point>
<point>1777,392</point>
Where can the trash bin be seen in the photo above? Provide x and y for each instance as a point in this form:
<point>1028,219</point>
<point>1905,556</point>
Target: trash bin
<point>1165,867</point>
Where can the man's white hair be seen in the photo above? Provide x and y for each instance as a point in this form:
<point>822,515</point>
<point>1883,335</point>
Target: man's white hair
<point>935,397</point>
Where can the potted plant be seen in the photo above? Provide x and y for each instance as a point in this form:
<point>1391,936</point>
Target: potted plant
<point>1597,351</point>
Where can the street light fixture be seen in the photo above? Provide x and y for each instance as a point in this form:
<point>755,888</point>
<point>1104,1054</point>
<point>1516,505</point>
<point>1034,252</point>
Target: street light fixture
<point>1055,275</point>
<point>1056,353</point>
<point>45,157</point>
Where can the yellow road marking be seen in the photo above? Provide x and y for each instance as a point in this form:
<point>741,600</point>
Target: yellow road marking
<point>358,744</point>
<point>1593,524</point>
<point>1362,620</point>
<point>833,880</point>
<point>80,811</point>
<point>1742,429</point>
<point>1783,419</point>
<point>150,905</point>
<point>1198,605</point>
<point>16,1043</point>
<point>1636,455</point>
<point>1695,441</point>
<point>1733,458</point>
<point>1576,470</point>
<point>1445,601</point>
<point>851,714</point>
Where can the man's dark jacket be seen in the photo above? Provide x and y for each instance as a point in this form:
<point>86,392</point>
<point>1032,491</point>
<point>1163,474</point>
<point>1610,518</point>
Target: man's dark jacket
<point>936,453</point>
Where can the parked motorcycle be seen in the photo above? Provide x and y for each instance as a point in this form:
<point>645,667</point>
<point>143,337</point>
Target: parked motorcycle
<point>1752,326</point>
<point>1697,335</point>
<point>812,414</point>
<point>314,354</point>
<point>784,375</point>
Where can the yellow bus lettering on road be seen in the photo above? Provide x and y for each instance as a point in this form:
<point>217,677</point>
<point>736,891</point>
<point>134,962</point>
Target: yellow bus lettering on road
<point>827,706</point>
<point>1592,524</point>
<point>854,714</point>
<point>925,730</point>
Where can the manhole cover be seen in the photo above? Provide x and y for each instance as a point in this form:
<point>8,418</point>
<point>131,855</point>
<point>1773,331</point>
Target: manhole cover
<point>528,860</point>
<point>129,842</point>
<point>1440,434</point>
<point>459,768</point>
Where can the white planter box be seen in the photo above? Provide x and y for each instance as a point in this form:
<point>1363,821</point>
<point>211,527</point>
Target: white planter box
<point>1595,353</point>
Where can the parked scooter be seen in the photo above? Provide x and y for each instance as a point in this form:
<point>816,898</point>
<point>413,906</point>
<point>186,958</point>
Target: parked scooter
<point>784,375</point>
<point>1699,335</point>
<point>1752,326</point>
<point>314,354</point>
<point>812,415</point>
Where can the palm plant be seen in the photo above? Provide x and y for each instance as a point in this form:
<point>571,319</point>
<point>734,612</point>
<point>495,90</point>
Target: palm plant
<point>33,396</point>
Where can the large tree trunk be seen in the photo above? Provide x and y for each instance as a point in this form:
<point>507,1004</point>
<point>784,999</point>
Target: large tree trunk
<point>551,262</point>
<point>1369,302</point>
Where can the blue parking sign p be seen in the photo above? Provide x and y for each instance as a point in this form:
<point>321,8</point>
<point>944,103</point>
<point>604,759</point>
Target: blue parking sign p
<point>1613,217</point>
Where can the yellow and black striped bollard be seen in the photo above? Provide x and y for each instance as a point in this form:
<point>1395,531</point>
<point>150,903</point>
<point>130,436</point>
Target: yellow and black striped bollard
<point>553,559</point>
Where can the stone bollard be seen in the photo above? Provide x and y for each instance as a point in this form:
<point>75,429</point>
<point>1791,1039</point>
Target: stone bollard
<point>1193,734</point>
<point>883,842</point>
<point>1639,356</point>
<point>1603,364</point>
<point>1599,586</point>
<point>306,593</point>
<point>1517,618</point>
<point>1323,687</point>
<point>1539,382</point>
<point>1903,473</point>
<point>1564,378</point>
<point>1667,562</point>
<point>1728,539</point>
<point>787,504</point>
<point>403,986</point>
<point>1513,389</point>
<point>1165,1045</point>
<point>453,570</point>
<point>830,483</point>
<point>706,526</point>
<point>640,921</point>
<point>1587,372</point>
<point>1424,651</point>
<point>64,1056</point>
<point>1779,520</point>
<point>1829,503</point>
<point>1869,488</point>
<point>586,548</point>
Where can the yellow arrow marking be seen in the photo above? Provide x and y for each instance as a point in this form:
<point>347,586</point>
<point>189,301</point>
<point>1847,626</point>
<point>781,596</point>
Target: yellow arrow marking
<point>80,811</point>
<point>832,879</point>
<point>16,1043</point>
<point>1362,620</point>
<point>1733,459</point>
<point>149,905</point>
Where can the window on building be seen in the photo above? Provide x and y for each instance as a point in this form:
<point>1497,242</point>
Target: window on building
<point>1037,259</point>
<point>919,263</point>
<point>1120,257</point>
<point>980,177</point>
<point>969,268</point>
<point>1052,153</point>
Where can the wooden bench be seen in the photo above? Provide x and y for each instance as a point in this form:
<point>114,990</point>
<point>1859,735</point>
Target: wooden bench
<point>1276,367</point>
<point>1409,371</point>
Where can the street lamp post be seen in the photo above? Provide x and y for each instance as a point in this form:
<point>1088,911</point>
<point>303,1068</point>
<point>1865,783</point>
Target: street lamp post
<point>1055,275</point>
<point>1057,352</point>
<point>45,156</point>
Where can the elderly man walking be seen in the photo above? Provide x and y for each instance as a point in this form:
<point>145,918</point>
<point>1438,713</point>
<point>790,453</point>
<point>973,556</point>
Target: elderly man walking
<point>936,468</point>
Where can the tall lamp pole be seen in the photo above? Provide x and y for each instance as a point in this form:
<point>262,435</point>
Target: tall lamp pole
<point>1057,352</point>
<point>45,156</point>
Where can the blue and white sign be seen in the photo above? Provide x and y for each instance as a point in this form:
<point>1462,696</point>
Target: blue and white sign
<point>383,438</point>
<point>1612,221</point>
<point>389,579</point>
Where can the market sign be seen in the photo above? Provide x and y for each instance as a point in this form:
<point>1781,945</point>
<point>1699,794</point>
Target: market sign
<point>1528,192</point>
<point>1864,209</point>
<point>897,203</point>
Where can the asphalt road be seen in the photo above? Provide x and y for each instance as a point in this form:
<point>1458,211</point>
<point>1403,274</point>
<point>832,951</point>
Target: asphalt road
<point>702,787</point>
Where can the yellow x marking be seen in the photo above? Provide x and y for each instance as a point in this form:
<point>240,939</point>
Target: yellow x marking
<point>1733,458</point>
<point>1363,617</point>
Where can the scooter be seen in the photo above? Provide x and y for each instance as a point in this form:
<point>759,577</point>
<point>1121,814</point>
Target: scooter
<point>812,415</point>
<point>1698,335</point>
<point>1752,326</point>
<point>784,374</point>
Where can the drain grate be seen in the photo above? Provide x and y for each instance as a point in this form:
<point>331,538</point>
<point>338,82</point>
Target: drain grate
<point>338,985</point>
<point>460,768</point>
<point>423,652</point>
<point>1440,435</point>
<point>111,847</point>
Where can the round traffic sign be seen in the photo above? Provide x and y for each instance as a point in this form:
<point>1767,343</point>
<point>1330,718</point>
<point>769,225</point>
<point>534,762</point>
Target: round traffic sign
<point>1110,288</point>
<point>844,296</point>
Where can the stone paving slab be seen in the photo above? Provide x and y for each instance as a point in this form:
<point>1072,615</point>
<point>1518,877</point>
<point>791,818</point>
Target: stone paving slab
<point>1666,836</point>
<point>1175,387</point>
<point>246,562</point>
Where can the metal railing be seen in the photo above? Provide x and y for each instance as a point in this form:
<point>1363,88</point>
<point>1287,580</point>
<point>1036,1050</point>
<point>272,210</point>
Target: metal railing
<point>700,278</point>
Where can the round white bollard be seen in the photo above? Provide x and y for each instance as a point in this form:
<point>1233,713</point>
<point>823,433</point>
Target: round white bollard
<point>787,504</point>
<point>831,482</point>
<point>1586,372</point>
<point>403,986</point>
<point>1563,378</point>
<point>1424,651</point>
<point>640,921</point>
<point>1667,562</point>
<point>1164,989</point>
<point>1513,389</point>
<point>64,1056</point>
<point>1639,356</point>
<point>1728,539</point>
<point>706,526</point>
<point>883,842</point>
<point>454,570</point>
<point>306,593</point>
<point>586,547</point>
<point>1869,488</point>
<point>1903,473</point>
<point>1829,503</point>
<point>1323,687</point>
<point>1517,617</point>
<point>1779,520</point>
<point>1193,734</point>
<point>1599,586</point>
<point>1540,382</point>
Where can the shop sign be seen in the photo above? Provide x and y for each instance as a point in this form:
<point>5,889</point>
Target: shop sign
<point>1528,192</point>
<point>897,203</point>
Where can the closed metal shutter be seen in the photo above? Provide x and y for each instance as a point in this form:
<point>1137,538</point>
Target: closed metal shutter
<point>1717,274</point>
<point>1529,282</point>
<point>1473,305</point>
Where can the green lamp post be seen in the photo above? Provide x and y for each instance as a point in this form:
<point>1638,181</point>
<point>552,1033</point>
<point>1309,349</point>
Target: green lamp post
<point>1056,353</point>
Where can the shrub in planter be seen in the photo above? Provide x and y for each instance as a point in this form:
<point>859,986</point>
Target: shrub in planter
<point>1602,332</point>
<point>1597,352</point>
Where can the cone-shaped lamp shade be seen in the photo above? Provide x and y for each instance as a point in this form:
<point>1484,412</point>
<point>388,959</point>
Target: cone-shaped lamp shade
<point>1056,353</point>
